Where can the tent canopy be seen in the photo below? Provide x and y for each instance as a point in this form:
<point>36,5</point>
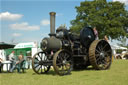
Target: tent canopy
<point>6,45</point>
<point>118,47</point>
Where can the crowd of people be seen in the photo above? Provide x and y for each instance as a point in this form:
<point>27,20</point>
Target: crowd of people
<point>13,62</point>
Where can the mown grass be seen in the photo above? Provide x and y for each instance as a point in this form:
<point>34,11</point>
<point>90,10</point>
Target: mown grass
<point>116,75</point>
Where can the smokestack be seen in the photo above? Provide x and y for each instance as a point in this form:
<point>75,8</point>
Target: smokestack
<point>52,23</point>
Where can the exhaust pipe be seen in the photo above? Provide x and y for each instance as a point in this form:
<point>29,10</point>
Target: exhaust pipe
<point>52,24</point>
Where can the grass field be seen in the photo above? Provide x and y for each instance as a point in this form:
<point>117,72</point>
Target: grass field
<point>116,75</point>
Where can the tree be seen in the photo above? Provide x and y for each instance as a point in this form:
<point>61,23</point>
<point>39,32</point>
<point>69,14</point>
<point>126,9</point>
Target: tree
<point>110,18</point>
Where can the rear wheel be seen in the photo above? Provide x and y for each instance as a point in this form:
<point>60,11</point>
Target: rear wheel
<point>100,54</point>
<point>62,62</point>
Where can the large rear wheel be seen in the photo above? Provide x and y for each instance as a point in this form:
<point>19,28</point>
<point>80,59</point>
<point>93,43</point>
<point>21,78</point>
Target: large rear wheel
<point>100,54</point>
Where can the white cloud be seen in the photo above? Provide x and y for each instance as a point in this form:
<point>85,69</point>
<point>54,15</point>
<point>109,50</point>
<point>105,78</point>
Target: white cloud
<point>24,26</point>
<point>122,1</point>
<point>45,22</point>
<point>16,34</point>
<point>10,16</point>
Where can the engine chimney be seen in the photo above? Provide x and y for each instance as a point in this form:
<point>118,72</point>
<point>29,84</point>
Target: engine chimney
<point>52,23</point>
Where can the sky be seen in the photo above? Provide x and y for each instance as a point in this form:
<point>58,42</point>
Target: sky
<point>28,20</point>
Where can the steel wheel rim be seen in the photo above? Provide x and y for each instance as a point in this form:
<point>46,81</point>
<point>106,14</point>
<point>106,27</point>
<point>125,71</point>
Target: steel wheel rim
<point>100,54</point>
<point>37,63</point>
<point>103,57</point>
<point>62,62</point>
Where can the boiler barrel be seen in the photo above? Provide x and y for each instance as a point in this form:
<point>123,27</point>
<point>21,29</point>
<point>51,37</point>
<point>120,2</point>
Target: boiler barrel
<point>51,44</point>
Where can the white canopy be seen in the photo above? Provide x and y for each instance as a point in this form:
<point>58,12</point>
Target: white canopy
<point>26,45</point>
<point>118,47</point>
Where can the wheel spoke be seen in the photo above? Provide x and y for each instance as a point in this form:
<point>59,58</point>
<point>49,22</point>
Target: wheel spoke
<point>44,57</point>
<point>99,48</point>
<point>61,58</point>
<point>97,55</point>
<point>36,59</point>
<point>103,61</point>
<point>105,46</point>
<point>36,65</point>
<point>97,51</point>
<point>41,69</point>
<point>68,57</point>
<point>44,69</point>
<point>98,59</point>
<point>38,69</point>
<point>39,56</point>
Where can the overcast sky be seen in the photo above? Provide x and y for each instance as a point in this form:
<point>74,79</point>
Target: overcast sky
<point>28,20</point>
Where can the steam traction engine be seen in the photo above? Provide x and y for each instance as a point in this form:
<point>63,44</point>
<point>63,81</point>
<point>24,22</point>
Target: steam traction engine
<point>66,51</point>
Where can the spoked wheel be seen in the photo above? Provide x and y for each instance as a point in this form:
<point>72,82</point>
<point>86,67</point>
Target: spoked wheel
<point>100,54</point>
<point>62,62</point>
<point>39,63</point>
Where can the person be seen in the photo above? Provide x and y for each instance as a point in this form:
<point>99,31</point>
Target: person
<point>12,59</point>
<point>96,33</point>
<point>11,56</point>
<point>29,58</point>
<point>106,38</point>
<point>1,65</point>
<point>20,59</point>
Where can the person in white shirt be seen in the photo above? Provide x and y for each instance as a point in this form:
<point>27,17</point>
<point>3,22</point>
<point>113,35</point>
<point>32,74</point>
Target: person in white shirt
<point>12,59</point>
<point>11,56</point>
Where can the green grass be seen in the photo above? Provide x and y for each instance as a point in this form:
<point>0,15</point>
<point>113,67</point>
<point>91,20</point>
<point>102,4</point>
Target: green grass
<point>116,75</point>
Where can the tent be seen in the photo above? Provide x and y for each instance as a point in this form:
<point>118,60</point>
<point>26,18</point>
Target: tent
<point>6,45</point>
<point>118,47</point>
<point>115,48</point>
<point>26,49</point>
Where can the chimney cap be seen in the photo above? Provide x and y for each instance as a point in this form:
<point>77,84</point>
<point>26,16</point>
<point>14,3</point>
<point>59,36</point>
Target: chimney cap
<point>52,13</point>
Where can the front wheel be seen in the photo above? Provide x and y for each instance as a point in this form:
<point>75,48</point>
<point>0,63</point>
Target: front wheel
<point>62,62</point>
<point>39,64</point>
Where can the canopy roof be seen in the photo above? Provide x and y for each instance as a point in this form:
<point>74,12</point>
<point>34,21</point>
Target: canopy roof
<point>118,47</point>
<point>4,45</point>
<point>26,45</point>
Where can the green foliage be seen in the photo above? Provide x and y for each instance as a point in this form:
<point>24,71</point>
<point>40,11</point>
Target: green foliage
<point>110,18</point>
